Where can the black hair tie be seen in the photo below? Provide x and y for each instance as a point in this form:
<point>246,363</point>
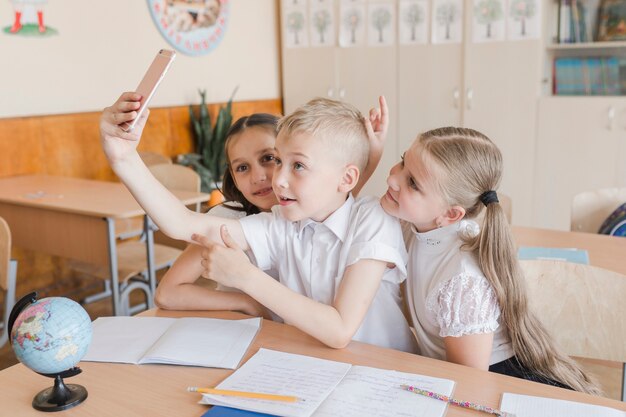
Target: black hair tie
<point>488,197</point>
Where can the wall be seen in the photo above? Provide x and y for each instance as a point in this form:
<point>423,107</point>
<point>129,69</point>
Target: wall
<point>104,47</point>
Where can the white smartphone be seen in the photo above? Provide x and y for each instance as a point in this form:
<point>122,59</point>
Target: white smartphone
<point>150,82</point>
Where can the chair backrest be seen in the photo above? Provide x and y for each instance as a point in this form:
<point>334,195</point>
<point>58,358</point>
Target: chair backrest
<point>153,158</point>
<point>5,253</point>
<point>591,208</point>
<point>582,307</point>
<point>176,177</point>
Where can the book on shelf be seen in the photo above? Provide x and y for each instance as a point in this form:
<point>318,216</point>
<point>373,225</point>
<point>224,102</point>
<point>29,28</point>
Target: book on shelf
<point>328,388</point>
<point>572,24</point>
<point>580,256</point>
<point>587,76</point>
<point>190,341</point>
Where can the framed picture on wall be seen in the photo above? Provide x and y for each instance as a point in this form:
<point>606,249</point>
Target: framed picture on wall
<point>612,20</point>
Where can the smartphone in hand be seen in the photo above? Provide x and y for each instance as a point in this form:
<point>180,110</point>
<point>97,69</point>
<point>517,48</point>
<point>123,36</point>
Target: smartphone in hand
<point>150,82</point>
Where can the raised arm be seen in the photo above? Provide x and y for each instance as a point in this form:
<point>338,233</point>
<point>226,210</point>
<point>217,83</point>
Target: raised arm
<point>377,125</point>
<point>333,325</point>
<point>172,217</point>
<point>178,290</point>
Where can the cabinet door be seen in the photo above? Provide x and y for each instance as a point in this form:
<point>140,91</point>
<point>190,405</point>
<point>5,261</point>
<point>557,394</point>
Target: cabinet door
<point>578,145</point>
<point>502,86</point>
<point>429,89</point>
<point>363,74</point>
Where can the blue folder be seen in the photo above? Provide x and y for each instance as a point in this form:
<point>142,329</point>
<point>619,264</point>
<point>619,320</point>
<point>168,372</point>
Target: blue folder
<point>219,411</point>
<point>579,256</point>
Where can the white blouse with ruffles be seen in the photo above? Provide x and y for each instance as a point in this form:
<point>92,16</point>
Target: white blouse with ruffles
<point>447,293</point>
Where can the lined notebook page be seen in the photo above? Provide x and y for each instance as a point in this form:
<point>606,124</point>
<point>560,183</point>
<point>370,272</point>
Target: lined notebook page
<point>374,392</point>
<point>530,406</point>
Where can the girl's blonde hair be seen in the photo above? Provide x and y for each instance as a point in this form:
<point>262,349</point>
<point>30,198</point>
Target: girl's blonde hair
<point>472,165</point>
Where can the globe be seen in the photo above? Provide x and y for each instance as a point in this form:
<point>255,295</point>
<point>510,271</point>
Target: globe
<point>51,335</point>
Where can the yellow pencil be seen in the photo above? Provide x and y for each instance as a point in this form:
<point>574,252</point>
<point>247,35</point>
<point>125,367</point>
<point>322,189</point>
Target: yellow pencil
<point>259,395</point>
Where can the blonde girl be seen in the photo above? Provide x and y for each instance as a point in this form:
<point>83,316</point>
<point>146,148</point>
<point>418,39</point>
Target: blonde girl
<point>465,290</point>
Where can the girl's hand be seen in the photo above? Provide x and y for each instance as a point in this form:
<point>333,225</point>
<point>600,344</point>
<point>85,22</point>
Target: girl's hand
<point>377,125</point>
<point>117,143</point>
<point>228,265</point>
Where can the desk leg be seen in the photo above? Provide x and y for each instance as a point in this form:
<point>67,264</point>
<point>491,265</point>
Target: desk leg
<point>149,230</point>
<point>115,284</point>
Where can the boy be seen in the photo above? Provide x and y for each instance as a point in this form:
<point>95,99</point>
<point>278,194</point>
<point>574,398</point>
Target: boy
<point>331,251</point>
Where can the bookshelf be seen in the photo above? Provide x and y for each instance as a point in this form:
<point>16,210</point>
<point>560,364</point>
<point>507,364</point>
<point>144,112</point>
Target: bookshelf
<point>575,64</point>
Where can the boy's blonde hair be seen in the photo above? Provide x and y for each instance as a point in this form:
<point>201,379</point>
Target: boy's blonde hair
<point>339,125</point>
<point>470,164</point>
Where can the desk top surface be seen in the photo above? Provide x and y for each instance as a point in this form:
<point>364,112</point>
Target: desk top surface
<point>160,390</point>
<point>77,195</point>
<point>606,252</point>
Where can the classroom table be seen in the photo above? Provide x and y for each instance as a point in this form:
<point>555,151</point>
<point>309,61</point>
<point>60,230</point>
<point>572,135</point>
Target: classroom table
<point>160,390</point>
<point>608,252</point>
<point>75,218</point>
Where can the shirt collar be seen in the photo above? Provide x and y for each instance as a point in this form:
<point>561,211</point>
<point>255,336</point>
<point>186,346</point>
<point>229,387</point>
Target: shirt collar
<point>464,228</point>
<point>337,222</point>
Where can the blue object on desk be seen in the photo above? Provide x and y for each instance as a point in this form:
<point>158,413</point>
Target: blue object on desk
<point>579,256</point>
<point>219,411</point>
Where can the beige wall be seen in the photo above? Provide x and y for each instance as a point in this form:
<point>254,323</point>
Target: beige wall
<point>104,47</point>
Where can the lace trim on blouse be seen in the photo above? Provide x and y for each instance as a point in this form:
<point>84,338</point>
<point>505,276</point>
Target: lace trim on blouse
<point>463,305</point>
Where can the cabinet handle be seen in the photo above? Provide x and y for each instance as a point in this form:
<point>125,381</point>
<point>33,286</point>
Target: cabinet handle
<point>331,92</point>
<point>469,97</point>
<point>342,93</point>
<point>456,95</point>
<point>610,118</point>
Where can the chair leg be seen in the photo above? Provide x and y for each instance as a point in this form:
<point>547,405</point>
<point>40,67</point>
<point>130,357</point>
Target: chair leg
<point>99,296</point>
<point>125,297</point>
<point>624,382</point>
<point>9,301</point>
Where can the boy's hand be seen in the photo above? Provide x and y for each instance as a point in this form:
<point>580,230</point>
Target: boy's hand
<point>228,265</point>
<point>115,141</point>
<point>377,125</point>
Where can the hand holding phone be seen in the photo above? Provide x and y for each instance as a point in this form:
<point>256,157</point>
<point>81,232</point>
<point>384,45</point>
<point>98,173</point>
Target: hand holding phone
<point>150,82</point>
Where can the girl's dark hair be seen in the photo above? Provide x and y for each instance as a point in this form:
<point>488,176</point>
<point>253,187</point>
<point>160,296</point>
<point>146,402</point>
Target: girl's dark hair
<point>229,188</point>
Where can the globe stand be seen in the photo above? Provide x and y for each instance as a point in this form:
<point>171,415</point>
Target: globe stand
<point>61,396</point>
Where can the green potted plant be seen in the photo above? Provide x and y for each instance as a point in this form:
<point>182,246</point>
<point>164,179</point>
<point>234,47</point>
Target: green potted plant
<point>209,159</point>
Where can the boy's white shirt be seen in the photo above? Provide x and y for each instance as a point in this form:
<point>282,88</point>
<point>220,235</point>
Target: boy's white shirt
<point>448,294</point>
<point>311,259</point>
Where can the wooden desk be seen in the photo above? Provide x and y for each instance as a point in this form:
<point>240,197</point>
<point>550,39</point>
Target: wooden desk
<point>160,390</point>
<point>74,218</point>
<point>607,252</point>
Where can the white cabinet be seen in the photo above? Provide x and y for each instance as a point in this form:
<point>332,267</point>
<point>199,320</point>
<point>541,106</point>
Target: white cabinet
<point>581,146</point>
<point>492,87</point>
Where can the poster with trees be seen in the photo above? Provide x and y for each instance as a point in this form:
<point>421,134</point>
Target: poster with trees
<point>523,19</point>
<point>352,23</point>
<point>489,21</point>
<point>447,21</point>
<point>322,23</point>
<point>413,21</point>
<point>381,23</point>
<point>295,24</point>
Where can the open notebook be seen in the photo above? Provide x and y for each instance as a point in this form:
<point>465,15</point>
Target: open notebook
<point>327,388</point>
<point>530,406</point>
<point>191,341</point>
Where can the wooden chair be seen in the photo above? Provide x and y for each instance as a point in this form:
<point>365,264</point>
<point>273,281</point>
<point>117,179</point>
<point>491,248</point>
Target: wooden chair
<point>591,208</point>
<point>8,274</point>
<point>582,306</point>
<point>153,158</point>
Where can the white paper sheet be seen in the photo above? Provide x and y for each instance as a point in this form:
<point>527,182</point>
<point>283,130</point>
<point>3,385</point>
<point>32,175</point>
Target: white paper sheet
<point>530,406</point>
<point>329,389</point>
<point>187,341</point>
